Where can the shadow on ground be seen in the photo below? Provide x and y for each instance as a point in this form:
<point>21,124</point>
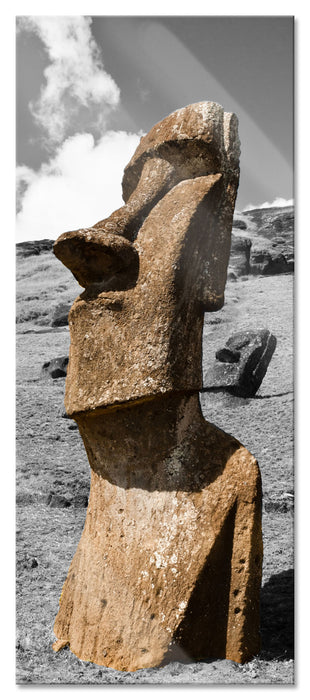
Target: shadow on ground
<point>277,616</point>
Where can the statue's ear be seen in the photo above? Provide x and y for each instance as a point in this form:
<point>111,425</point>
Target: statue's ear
<point>206,248</point>
<point>184,243</point>
<point>216,218</point>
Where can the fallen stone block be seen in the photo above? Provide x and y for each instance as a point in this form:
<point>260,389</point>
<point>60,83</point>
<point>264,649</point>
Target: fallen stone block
<point>60,316</point>
<point>242,363</point>
<point>56,368</point>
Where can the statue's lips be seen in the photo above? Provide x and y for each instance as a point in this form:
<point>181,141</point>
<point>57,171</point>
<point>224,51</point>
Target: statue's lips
<point>96,257</point>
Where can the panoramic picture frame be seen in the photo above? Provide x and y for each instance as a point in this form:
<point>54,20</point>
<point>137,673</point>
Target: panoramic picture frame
<point>38,448</point>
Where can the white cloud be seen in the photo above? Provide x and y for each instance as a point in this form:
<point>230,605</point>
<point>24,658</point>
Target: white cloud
<point>76,188</point>
<point>24,177</point>
<point>277,202</point>
<point>77,93</point>
<point>81,182</point>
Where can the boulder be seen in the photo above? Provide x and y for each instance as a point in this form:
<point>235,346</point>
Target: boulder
<point>239,261</point>
<point>240,224</point>
<point>80,500</point>
<point>242,363</point>
<point>27,248</point>
<point>55,500</point>
<point>60,316</point>
<point>269,263</point>
<point>56,368</point>
<point>272,233</point>
<point>29,561</point>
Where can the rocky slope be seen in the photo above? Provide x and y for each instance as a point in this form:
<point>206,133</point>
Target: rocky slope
<point>263,242</point>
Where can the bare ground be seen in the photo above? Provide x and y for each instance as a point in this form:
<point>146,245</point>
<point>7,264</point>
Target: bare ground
<point>51,460</point>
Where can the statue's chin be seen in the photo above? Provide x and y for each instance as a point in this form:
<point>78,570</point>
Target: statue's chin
<point>213,303</point>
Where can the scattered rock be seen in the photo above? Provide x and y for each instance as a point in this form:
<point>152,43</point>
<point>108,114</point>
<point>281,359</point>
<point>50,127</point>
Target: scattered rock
<point>281,504</point>
<point>268,263</point>
<point>28,561</point>
<point>80,501</point>
<point>60,317</point>
<point>27,248</point>
<point>242,363</point>
<point>240,224</point>
<point>56,368</point>
<point>25,498</point>
<point>55,500</point>
<point>239,261</point>
<point>212,320</point>
<point>73,425</point>
<point>270,236</point>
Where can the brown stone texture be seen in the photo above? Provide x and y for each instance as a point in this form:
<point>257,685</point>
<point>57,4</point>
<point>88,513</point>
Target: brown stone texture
<point>169,562</point>
<point>130,344</point>
<point>171,549</point>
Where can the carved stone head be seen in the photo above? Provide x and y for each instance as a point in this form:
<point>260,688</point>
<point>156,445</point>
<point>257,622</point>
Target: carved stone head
<point>153,268</point>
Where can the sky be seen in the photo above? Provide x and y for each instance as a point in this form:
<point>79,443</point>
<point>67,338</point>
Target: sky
<point>87,88</point>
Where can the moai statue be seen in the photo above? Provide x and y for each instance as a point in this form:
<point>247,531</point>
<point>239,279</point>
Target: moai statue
<point>169,561</point>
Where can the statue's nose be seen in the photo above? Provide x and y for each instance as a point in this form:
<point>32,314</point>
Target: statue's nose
<point>105,250</point>
<point>97,256</point>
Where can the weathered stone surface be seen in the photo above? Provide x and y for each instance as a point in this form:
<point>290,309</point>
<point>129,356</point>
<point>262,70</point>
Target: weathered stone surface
<point>56,500</point>
<point>262,242</point>
<point>240,224</point>
<point>269,263</point>
<point>169,561</point>
<point>240,251</point>
<point>197,140</point>
<point>242,363</point>
<point>138,348</point>
<point>29,561</point>
<point>272,232</point>
<point>80,501</point>
<point>171,551</point>
<point>27,248</point>
<point>56,368</point>
<point>60,315</point>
